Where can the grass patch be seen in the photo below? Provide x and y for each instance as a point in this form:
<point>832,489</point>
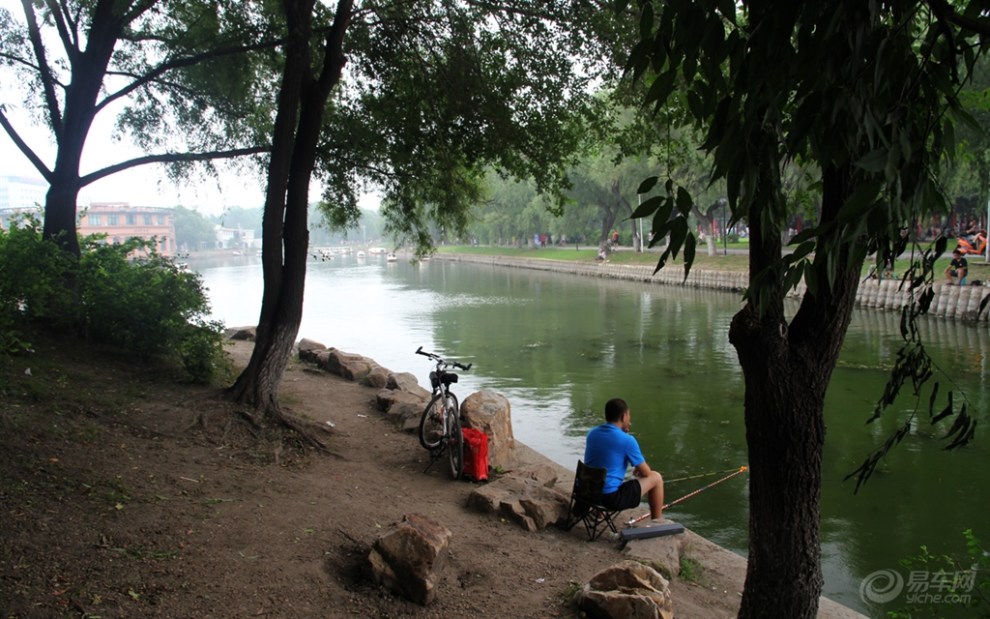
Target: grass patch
<point>737,263</point>
<point>690,571</point>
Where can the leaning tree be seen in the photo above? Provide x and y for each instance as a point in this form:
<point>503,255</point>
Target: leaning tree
<point>866,94</point>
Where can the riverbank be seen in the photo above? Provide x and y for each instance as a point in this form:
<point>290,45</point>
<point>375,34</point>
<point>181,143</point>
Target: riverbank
<point>127,493</point>
<point>955,302</point>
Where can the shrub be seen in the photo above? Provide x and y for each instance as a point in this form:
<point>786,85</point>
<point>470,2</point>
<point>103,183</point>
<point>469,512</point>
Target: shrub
<point>124,295</point>
<point>32,276</point>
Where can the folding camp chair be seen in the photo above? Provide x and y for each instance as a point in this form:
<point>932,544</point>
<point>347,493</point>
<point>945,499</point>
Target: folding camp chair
<point>586,504</point>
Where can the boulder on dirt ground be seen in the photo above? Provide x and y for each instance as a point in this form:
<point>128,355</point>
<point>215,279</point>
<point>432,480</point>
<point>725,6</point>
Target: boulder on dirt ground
<point>400,406</point>
<point>378,377</point>
<point>627,590</point>
<point>348,365</point>
<point>490,412</point>
<point>661,553</point>
<point>405,381</point>
<point>247,334</point>
<point>408,558</point>
<point>524,501</point>
<point>543,474</point>
<point>308,349</point>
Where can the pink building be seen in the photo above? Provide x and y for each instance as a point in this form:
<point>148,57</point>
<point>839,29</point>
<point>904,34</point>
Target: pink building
<point>120,221</point>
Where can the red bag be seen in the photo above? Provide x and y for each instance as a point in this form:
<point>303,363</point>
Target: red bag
<point>475,454</point>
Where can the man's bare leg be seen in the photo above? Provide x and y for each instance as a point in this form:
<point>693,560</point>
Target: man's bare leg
<point>651,486</point>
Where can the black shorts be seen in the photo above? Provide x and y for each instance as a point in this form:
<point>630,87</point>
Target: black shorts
<point>629,495</point>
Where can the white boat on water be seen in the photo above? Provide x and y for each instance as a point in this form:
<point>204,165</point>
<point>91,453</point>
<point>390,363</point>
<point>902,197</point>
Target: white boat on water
<point>390,257</point>
<point>360,254</point>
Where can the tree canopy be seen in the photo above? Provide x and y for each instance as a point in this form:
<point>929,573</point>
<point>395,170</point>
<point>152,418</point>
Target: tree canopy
<point>176,76</point>
<point>865,95</point>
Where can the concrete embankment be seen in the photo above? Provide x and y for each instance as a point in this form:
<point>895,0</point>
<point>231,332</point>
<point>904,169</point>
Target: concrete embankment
<point>958,302</point>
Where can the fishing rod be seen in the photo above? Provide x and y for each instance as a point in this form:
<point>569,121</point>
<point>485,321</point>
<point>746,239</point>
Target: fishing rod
<point>739,471</point>
<point>699,476</point>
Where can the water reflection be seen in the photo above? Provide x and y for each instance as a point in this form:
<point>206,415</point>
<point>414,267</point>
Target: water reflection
<point>559,346</point>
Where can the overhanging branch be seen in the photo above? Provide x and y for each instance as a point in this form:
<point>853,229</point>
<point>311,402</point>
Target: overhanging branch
<point>185,61</point>
<point>171,158</point>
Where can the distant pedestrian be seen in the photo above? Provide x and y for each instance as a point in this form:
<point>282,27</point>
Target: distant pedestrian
<point>956,272</point>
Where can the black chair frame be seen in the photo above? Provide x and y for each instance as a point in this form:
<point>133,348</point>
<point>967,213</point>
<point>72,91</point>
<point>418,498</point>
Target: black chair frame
<point>585,505</point>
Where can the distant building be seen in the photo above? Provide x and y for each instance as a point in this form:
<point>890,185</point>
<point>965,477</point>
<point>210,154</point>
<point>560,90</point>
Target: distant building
<point>120,221</point>
<point>235,238</point>
<point>22,193</point>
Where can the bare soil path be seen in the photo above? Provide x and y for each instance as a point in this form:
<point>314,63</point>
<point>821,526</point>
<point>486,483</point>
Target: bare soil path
<point>115,502</point>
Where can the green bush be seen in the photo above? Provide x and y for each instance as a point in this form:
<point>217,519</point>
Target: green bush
<point>124,295</point>
<point>31,283</point>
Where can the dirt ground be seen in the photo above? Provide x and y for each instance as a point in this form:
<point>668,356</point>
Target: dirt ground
<point>117,502</point>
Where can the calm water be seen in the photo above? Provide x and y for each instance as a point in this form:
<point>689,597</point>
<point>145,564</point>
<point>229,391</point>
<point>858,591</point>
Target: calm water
<point>559,346</point>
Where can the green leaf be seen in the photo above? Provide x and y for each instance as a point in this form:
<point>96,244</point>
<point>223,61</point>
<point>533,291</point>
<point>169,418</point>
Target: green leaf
<point>802,250</point>
<point>646,21</point>
<point>873,161</point>
<point>861,200</point>
<point>684,201</point>
<point>661,88</point>
<point>648,184</point>
<point>648,207</point>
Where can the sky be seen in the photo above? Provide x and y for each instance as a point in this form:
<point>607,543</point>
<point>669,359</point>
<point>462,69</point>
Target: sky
<point>146,185</point>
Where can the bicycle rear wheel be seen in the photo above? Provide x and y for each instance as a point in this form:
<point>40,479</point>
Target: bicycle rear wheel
<point>455,442</point>
<point>431,424</point>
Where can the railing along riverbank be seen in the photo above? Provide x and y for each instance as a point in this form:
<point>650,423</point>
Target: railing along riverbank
<point>956,302</point>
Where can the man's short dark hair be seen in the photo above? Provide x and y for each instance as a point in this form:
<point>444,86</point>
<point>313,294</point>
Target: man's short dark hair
<point>615,409</point>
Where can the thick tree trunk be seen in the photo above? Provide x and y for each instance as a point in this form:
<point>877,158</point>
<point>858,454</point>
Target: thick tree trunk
<point>787,368</point>
<point>785,432</point>
<point>71,126</point>
<point>285,236</point>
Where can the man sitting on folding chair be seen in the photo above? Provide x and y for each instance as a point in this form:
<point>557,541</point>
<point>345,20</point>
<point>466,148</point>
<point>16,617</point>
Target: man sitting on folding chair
<point>610,446</point>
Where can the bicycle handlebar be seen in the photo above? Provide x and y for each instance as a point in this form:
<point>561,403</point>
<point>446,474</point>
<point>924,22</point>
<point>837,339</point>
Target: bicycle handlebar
<point>441,361</point>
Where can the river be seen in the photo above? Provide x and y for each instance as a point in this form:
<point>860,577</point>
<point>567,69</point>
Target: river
<point>559,346</point>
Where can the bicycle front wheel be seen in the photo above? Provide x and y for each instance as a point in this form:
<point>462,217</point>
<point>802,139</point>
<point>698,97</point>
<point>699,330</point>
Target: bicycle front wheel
<point>431,430</point>
<point>455,442</point>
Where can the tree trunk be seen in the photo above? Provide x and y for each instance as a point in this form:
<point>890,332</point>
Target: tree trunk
<point>787,369</point>
<point>71,127</point>
<point>285,236</point>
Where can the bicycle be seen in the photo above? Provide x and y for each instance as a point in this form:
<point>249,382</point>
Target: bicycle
<point>440,425</point>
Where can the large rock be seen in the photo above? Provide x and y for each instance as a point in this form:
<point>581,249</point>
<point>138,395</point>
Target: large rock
<point>409,557</point>
<point>661,553</point>
<point>522,500</point>
<point>308,349</point>
<point>490,412</point>
<point>627,590</point>
<point>405,381</point>
<point>347,365</point>
<point>247,334</point>
<point>401,406</point>
<point>378,377</point>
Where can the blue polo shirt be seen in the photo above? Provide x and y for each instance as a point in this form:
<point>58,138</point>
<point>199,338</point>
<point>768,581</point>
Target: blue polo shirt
<point>610,448</point>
